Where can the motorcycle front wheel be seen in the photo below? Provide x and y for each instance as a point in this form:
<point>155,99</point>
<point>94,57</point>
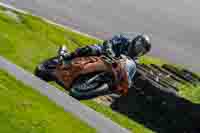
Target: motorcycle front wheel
<point>92,85</point>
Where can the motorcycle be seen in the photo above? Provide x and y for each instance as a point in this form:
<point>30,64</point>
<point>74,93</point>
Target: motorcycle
<point>85,77</point>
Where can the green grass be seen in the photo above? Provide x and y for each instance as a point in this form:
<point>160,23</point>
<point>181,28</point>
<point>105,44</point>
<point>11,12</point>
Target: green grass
<point>190,92</point>
<point>31,40</point>
<point>152,60</point>
<point>24,110</point>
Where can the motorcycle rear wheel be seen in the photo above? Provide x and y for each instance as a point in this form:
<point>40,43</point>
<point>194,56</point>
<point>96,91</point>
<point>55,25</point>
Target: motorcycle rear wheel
<point>45,69</point>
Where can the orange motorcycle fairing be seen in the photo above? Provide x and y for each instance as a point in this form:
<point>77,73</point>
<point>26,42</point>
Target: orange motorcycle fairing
<point>67,73</point>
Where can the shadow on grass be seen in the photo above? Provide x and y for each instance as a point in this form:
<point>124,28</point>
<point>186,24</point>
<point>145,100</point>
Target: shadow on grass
<point>159,110</point>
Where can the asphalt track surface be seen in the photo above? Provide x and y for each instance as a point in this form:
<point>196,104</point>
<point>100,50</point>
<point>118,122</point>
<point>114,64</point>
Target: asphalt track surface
<point>94,119</point>
<point>173,25</point>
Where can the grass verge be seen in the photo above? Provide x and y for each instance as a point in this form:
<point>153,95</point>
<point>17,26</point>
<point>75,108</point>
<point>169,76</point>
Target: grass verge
<point>25,110</point>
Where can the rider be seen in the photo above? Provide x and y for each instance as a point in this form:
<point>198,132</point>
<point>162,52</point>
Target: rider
<point>132,46</point>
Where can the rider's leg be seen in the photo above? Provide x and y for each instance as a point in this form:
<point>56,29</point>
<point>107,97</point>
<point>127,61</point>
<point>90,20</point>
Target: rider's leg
<point>130,66</point>
<point>125,77</point>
